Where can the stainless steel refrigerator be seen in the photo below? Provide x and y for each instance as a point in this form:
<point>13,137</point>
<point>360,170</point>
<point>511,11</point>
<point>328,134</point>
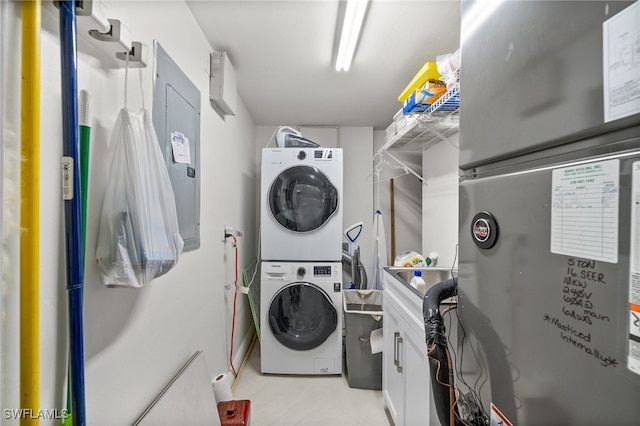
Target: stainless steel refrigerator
<point>549,237</point>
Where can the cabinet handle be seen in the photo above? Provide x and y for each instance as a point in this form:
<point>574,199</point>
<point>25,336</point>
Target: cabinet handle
<point>398,366</point>
<point>395,348</point>
<point>397,340</point>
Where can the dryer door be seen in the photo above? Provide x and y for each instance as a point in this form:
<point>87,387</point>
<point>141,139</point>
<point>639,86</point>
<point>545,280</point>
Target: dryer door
<point>302,198</point>
<point>302,316</point>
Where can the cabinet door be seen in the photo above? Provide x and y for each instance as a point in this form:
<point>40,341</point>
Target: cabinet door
<point>417,379</point>
<point>392,377</point>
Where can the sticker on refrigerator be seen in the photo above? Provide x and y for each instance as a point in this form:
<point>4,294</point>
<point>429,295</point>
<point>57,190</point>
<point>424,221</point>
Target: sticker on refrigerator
<point>621,67</point>
<point>584,210</point>
<point>634,273</point>
<point>497,418</point>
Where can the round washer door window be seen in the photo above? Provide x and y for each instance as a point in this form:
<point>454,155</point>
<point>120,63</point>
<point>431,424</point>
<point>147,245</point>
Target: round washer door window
<point>302,316</point>
<point>302,198</point>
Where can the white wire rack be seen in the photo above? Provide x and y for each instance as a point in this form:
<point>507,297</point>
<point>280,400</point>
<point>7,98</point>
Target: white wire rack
<point>417,132</point>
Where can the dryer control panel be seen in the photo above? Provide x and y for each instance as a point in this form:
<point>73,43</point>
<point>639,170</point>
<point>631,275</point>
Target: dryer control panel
<point>322,271</point>
<point>322,154</point>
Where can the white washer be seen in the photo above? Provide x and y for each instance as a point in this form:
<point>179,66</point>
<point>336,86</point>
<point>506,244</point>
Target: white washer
<point>301,204</point>
<point>301,317</point>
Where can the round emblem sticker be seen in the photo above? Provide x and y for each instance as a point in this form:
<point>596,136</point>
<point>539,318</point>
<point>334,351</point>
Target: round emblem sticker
<point>484,230</point>
<point>481,230</point>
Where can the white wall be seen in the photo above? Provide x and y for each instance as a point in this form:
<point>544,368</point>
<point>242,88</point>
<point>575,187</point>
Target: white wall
<point>357,145</point>
<point>136,340</point>
<point>9,137</point>
<point>426,215</point>
<point>326,136</point>
<point>407,201</point>
<point>440,202</point>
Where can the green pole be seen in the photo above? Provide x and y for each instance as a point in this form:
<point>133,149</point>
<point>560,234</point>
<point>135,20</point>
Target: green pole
<point>84,127</point>
<point>84,121</point>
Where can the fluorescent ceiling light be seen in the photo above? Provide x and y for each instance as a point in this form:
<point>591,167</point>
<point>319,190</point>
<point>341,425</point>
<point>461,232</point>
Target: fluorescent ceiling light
<point>351,26</point>
<point>476,16</point>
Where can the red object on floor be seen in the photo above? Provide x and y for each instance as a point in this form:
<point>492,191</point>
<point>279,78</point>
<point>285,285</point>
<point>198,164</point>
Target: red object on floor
<point>234,412</point>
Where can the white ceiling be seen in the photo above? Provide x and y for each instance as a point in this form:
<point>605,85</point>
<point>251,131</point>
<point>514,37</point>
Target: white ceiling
<point>283,53</point>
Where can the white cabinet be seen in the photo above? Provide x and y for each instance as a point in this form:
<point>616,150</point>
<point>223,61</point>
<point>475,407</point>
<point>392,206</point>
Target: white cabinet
<point>392,368</point>
<point>406,383</point>
<point>417,382</point>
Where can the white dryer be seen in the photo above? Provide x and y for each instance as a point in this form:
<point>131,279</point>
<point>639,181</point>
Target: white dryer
<point>301,317</point>
<point>301,204</point>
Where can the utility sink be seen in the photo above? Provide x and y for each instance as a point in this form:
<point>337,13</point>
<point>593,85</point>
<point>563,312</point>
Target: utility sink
<point>431,276</point>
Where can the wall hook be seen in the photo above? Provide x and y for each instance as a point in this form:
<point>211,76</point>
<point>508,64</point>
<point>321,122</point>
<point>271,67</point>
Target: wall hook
<point>117,34</point>
<point>137,55</point>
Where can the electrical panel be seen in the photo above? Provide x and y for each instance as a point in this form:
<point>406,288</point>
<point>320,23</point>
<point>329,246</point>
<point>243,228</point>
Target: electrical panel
<point>176,119</point>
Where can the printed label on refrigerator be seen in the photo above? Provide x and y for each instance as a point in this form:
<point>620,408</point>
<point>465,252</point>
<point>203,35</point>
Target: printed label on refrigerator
<point>621,66</point>
<point>634,273</point>
<point>497,418</point>
<point>584,210</point>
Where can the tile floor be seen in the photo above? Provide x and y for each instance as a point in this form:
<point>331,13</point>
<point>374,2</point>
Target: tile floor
<point>306,400</point>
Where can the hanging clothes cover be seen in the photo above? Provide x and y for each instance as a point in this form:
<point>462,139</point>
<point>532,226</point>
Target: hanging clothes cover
<point>138,239</point>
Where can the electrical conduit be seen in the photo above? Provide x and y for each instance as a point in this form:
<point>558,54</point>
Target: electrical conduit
<point>29,211</point>
<point>72,205</point>
<point>235,302</point>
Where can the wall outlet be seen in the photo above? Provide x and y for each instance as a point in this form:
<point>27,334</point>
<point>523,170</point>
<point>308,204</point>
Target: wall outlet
<point>230,231</point>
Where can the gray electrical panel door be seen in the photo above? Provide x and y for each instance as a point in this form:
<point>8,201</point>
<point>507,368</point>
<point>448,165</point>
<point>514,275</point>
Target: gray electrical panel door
<point>176,118</point>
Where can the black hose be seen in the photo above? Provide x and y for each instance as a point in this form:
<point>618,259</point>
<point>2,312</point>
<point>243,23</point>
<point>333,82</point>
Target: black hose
<point>439,360</point>
<point>434,325</point>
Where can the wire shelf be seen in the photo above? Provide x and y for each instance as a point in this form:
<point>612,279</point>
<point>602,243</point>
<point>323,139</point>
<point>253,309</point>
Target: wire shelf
<point>420,131</point>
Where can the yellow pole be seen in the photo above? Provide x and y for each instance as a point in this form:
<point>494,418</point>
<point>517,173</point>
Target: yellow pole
<point>29,212</point>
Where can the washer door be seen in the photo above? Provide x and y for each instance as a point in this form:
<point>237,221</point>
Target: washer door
<point>302,198</point>
<point>302,316</point>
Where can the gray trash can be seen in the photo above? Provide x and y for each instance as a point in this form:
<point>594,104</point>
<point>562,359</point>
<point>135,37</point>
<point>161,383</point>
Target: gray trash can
<point>362,315</point>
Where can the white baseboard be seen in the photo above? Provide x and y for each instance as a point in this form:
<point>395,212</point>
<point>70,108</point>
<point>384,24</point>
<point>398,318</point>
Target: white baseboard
<point>243,348</point>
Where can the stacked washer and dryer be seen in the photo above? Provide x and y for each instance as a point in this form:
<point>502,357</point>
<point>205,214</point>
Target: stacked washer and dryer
<point>301,252</point>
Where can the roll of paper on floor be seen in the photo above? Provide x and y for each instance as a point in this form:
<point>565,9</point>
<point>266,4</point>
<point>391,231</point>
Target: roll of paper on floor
<point>222,387</point>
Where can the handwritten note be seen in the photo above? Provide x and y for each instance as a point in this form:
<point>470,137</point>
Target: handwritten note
<point>584,215</point>
<point>581,311</point>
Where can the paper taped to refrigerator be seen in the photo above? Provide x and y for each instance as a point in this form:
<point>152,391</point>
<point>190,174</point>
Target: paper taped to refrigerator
<point>621,67</point>
<point>584,210</point>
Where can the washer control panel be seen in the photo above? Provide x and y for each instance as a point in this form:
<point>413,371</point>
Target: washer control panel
<point>322,271</point>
